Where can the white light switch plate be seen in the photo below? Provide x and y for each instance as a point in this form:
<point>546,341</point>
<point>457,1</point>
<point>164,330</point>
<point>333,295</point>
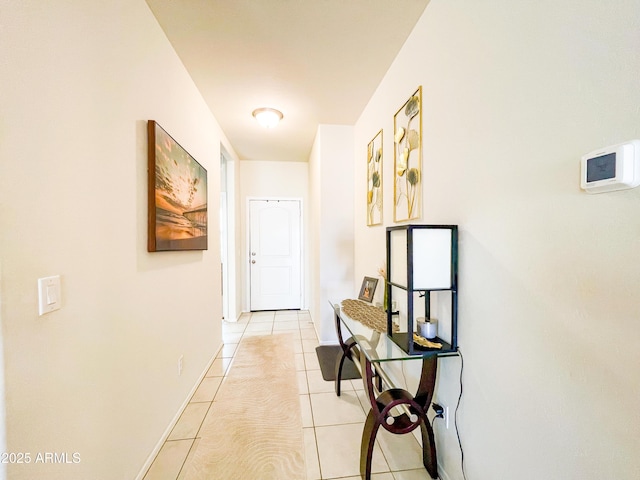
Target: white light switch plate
<point>48,294</point>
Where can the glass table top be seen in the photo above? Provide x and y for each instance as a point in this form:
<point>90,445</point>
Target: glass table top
<point>376,346</point>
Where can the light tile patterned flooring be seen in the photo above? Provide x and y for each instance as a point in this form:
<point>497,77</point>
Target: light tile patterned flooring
<point>332,426</point>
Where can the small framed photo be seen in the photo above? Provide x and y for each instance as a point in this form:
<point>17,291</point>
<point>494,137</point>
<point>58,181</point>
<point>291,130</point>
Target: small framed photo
<point>368,289</point>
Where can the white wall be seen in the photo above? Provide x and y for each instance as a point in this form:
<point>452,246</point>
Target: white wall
<point>98,377</point>
<point>267,179</point>
<point>514,93</point>
<point>315,210</point>
<point>332,224</point>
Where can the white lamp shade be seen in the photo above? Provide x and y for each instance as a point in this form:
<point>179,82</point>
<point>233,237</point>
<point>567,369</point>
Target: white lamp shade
<point>431,258</point>
<point>399,264</point>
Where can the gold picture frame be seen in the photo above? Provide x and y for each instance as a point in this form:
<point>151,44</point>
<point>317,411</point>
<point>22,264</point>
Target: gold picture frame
<point>407,159</point>
<point>374,180</point>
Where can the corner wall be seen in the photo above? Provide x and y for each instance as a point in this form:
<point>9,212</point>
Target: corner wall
<point>513,94</point>
<point>330,189</point>
<point>98,377</point>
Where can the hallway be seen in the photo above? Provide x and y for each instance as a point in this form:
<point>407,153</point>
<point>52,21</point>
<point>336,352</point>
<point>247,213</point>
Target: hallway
<point>332,425</point>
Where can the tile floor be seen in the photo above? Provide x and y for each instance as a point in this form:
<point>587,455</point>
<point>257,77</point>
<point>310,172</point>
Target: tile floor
<point>332,426</point>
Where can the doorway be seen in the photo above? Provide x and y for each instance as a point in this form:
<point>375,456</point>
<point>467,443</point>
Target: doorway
<point>275,254</point>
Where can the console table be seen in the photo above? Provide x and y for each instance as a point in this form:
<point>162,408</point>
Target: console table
<point>394,409</point>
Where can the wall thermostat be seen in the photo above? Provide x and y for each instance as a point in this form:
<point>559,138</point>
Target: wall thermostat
<point>611,168</point>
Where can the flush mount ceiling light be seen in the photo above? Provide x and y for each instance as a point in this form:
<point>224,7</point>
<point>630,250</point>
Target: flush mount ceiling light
<point>267,117</point>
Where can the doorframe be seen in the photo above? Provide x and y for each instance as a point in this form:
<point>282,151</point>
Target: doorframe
<point>229,267</point>
<point>247,255</point>
<point>3,411</point>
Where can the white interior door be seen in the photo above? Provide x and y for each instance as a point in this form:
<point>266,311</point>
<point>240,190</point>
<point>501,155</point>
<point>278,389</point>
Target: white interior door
<point>275,255</point>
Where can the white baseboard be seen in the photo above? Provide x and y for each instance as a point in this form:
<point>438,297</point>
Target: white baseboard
<point>174,420</point>
<point>442,473</point>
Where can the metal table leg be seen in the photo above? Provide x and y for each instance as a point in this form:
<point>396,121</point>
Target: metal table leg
<point>414,414</point>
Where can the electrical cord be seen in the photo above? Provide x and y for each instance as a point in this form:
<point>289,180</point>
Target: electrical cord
<point>439,410</point>
<point>455,416</point>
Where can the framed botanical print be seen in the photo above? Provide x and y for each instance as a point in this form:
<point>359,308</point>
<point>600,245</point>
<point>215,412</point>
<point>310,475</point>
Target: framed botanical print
<point>374,180</point>
<point>407,153</point>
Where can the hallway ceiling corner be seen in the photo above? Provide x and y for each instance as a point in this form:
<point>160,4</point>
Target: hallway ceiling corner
<point>317,61</point>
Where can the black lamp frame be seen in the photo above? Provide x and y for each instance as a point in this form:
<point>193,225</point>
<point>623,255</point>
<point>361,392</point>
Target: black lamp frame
<point>405,339</point>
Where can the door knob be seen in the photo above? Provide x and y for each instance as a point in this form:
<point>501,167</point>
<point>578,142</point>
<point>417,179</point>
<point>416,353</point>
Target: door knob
<point>253,254</point>
<point>253,261</point>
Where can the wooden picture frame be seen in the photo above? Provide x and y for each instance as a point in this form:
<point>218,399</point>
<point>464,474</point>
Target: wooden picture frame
<point>407,154</point>
<point>374,180</point>
<point>177,195</point>
<point>367,289</point>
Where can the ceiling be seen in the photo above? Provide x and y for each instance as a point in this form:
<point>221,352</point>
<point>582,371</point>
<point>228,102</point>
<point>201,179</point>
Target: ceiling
<point>317,61</point>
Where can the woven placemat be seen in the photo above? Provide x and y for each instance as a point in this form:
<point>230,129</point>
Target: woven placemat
<point>368,315</point>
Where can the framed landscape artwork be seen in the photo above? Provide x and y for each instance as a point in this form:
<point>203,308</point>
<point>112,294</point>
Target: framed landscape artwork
<point>177,195</point>
<point>374,180</point>
<point>407,153</point>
